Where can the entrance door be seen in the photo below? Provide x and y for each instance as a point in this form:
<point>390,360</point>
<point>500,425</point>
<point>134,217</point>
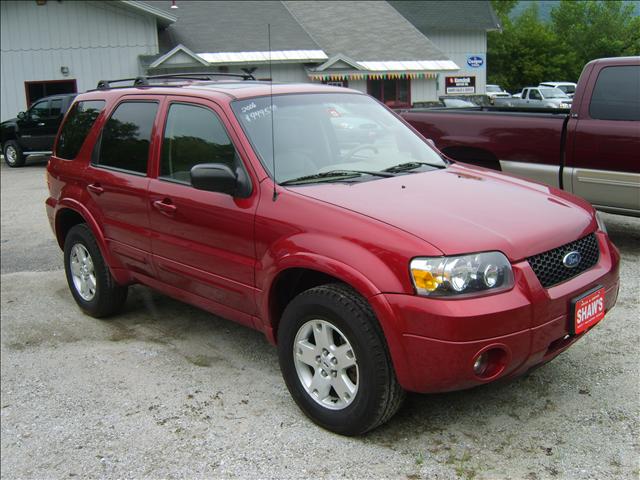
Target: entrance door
<point>394,93</point>
<point>36,90</point>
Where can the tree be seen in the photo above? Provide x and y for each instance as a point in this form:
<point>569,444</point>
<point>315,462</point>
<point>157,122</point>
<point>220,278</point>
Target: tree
<point>529,51</point>
<point>526,52</point>
<point>596,29</point>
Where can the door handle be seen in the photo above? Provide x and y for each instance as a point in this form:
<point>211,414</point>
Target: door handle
<point>165,207</point>
<point>95,188</point>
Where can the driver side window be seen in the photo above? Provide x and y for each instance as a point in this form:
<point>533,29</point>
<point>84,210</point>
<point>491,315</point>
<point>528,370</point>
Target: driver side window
<point>39,110</point>
<point>535,95</point>
<point>193,135</point>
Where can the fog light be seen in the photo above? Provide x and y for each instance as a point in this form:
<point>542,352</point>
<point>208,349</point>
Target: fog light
<point>481,363</point>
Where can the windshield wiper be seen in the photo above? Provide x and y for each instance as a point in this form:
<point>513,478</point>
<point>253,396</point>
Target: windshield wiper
<point>403,167</point>
<point>334,174</point>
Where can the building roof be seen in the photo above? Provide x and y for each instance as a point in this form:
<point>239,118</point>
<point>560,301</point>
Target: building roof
<point>448,14</point>
<point>163,18</point>
<point>364,31</point>
<point>231,26</point>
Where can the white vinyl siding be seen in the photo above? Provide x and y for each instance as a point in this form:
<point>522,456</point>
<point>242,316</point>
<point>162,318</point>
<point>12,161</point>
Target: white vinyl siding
<point>458,46</point>
<point>95,40</point>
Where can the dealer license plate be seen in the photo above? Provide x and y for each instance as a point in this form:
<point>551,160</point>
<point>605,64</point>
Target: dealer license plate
<point>587,309</point>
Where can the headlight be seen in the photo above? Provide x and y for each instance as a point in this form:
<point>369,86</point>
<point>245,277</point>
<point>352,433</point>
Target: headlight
<point>472,274</point>
<point>601,225</point>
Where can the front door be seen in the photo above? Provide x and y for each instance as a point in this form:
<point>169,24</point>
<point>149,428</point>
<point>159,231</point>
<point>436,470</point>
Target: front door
<point>203,242</point>
<point>32,127</point>
<point>603,160</point>
<point>117,182</point>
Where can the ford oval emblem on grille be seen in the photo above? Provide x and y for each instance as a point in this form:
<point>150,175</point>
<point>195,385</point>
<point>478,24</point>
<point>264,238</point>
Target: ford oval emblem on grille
<point>572,259</point>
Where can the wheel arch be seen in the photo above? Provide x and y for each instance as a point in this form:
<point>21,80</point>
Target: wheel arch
<point>71,213</point>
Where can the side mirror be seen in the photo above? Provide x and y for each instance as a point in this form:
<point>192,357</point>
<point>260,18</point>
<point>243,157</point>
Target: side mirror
<point>22,115</point>
<point>217,177</point>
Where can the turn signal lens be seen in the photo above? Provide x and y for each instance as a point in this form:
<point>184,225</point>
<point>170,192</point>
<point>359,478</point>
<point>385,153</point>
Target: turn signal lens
<point>424,280</point>
<point>461,275</point>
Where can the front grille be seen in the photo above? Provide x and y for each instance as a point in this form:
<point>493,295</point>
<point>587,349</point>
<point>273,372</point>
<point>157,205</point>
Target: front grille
<point>549,268</point>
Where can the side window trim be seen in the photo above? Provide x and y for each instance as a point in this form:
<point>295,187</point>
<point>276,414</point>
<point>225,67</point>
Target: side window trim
<point>96,152</point>
<point>240,162</point>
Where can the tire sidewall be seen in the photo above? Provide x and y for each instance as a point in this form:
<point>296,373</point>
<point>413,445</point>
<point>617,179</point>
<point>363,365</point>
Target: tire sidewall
<point>355,416</point>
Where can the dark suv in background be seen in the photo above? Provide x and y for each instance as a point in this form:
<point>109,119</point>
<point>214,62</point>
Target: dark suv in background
<point>33,131</point>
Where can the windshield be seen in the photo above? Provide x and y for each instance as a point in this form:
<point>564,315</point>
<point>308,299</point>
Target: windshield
<point>553,93</point>
<point>318,133</point>
<point>494,88</point>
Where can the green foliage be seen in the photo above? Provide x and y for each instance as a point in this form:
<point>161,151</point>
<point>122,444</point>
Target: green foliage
<point>529,51</point>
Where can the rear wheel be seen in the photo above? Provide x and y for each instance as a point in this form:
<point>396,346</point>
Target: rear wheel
<point>335,362</point>
<point>90,281</point>
<point>13,155</point>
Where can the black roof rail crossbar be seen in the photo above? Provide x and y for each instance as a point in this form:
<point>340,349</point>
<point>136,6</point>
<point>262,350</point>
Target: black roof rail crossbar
<point>144,80</point>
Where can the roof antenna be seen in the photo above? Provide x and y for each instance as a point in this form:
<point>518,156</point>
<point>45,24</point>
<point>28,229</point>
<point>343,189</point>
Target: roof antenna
<point>273,145</point>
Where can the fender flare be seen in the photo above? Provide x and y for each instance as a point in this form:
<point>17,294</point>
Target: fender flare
<point>389,323</point>
<point>117,270</point>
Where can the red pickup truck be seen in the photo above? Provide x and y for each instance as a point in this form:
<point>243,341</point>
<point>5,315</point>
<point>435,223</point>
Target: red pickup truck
<point>594,151</point>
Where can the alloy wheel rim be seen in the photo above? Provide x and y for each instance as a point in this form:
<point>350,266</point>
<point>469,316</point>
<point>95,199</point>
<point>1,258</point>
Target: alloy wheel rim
<point>12,155</point>
<point>326,364</point>
<point>83,272</point>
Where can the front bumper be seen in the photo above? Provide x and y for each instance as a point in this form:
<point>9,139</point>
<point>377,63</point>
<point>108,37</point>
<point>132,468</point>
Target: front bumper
<point>438,340</point>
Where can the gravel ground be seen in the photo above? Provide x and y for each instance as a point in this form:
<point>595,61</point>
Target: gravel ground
<point>166,390</point>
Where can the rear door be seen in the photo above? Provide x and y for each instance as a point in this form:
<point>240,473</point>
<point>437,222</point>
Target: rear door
<point>603,164</point>
<point>117,180</point>
<point>203,242</point>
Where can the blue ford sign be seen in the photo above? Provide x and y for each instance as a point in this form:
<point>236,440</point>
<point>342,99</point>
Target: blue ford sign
<point>572,259</point>
<point>475,61</point>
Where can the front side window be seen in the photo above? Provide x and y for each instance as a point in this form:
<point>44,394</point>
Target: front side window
<point>616,95</point>
<point>534,95</point>
<point>193,135</point>
<point>56,108</point>
<point>40,110</point>
<point>77,126</point>
<point>322,133</point>
<point>126,137</point>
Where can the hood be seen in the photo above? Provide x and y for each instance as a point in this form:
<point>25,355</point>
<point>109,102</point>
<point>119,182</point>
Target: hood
<point>464,209</point>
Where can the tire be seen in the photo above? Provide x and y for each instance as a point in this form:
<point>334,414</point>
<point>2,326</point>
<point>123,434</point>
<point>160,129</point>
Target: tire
<point>13,155</point>
<point>370,393</point>
<point>93,288</point>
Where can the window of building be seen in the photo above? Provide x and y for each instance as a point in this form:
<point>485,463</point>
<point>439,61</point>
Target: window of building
<point>37,90</point>
<point>616,94</point>
<point>193,135</point>
<point>391,92</point>
<point>126,137</point>
<point>76,127</point>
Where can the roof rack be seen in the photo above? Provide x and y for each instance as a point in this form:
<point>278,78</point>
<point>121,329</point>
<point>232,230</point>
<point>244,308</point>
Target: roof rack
<point>144,80</point>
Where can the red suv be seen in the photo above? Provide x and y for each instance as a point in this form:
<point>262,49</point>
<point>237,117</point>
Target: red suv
<point>317,216</point>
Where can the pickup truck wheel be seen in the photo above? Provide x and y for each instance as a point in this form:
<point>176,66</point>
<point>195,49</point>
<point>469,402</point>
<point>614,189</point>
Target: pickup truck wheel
<point>13,155</point>
<point>335,361</point>
<point>90,281</point>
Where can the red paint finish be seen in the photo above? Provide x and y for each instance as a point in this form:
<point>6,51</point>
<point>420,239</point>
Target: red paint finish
<point>226,254</point>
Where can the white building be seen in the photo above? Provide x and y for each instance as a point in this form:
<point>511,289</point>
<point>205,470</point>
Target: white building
<point>400,52</point>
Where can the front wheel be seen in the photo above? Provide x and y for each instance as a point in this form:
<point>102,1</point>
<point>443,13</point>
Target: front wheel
<point>335,361</point>
<point>90,281</point>
<point>13,155</point>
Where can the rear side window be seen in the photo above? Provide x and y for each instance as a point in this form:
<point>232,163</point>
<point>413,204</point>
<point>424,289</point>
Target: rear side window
<point>616,95</point>
<point>126,137</point>
<point>193,135</point>
<point>77,126</point>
